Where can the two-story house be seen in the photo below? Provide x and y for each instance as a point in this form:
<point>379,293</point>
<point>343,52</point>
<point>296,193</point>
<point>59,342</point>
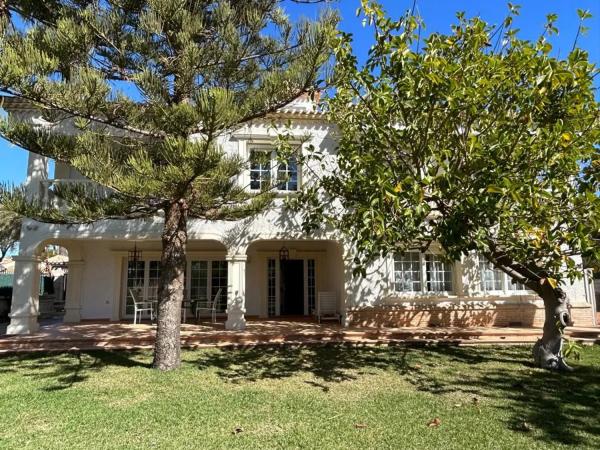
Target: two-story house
<point>274,269</point>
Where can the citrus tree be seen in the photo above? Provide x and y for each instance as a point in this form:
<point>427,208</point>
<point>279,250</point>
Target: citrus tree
<point>476,140</point>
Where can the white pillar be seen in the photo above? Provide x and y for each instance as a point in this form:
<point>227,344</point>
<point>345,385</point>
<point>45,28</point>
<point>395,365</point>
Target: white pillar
<point>73,299</point>
<point>25,301</point>
<point>236,292</point>
<point>37,171</point>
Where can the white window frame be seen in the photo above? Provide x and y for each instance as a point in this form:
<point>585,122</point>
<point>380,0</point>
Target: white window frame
<point>423,292</point>
<point>145,286</point>
<point>506,284</point>
<point>274,169</point>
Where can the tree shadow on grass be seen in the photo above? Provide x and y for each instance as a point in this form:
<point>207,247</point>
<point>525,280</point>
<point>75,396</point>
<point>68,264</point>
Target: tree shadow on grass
<point>327,363</point>
<point>560,408</point>
<point>64,370</point>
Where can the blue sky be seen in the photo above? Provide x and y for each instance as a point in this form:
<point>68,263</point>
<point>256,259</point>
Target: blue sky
<point>438,16</point>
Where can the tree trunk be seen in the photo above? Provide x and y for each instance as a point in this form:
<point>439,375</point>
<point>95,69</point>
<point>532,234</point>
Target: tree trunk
<point>547,352</point>
<point>167,349</point>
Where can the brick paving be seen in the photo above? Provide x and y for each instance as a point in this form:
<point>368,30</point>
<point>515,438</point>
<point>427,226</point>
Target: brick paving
<point>55,336</point>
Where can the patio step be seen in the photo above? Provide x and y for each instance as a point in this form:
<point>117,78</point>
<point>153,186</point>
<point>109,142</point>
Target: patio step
<point>126,337</point>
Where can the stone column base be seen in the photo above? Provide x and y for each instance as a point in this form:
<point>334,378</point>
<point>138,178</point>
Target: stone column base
<point>235,321</point>
<point>23,325</point>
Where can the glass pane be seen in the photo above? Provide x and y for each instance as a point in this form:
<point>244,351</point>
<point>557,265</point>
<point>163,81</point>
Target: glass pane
<point>153,280</point>
<point>491,278</point>
<point>260,169</point>
<point>287,175</point>
<point>135,282</point>
<point>219,281</point>
<point>407,272</point>
<point>439,274</point>
<point>199,281</point>
<point>311,286</point>
<point>272,298</point>
<point>516,286</point>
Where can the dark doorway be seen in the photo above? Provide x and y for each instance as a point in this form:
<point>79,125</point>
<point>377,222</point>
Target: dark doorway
<point>292,287</point>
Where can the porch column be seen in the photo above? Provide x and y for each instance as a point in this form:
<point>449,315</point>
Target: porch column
<point>25,300</point>
<point>73,298</point>
<point>236,292</point>
<point>37,171</point>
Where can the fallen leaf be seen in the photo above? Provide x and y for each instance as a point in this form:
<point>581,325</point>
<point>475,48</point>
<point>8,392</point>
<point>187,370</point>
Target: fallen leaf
<point>526,427</point>
<point>434,422</point>
<point>237,430</point>
<point>360,425</point>
<point>457,405</point>
<point>418,366</point>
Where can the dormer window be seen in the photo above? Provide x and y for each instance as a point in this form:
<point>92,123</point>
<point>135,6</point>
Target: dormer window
<point>265,166</point>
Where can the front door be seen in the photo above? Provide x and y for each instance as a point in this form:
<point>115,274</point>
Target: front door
<point>292,287</point>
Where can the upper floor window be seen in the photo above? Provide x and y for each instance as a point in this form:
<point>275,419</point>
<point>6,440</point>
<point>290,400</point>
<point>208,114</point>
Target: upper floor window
<point>260,170</point>
<point>265,166</point>
<point>287,175</point>
<point>411,268</point>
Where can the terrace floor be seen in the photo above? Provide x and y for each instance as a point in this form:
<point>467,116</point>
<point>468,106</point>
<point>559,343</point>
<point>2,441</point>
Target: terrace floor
<point>56,336</point>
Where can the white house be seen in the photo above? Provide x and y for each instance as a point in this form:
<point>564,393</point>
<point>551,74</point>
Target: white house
<point>265,264</point>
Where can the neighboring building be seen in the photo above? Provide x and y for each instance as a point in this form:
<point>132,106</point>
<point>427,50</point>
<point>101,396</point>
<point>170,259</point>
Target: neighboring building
<point>267,266</point>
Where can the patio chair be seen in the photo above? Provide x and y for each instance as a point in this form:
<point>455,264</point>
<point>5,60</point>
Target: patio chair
<point>140,306</point>
<point>209,306</point>
<point>327,307</point>
<point>185,305</point>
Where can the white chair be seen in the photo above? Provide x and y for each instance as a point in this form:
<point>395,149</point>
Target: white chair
<point>209,306</point>
<point>140,307</point>
<point>185,304</point>
<point>327,307</point>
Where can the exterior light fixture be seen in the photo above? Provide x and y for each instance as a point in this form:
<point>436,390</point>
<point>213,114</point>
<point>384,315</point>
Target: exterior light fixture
<point>134,255</point>
<point>284,254</point>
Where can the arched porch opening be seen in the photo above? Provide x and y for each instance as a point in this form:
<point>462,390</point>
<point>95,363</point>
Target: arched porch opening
<point>284,277</point>
<point>46,285</point>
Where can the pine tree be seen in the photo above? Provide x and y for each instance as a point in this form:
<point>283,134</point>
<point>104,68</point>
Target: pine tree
<point>149,88</point>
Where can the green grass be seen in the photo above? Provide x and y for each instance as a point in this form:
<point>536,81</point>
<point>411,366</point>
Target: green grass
<point>301,397</point>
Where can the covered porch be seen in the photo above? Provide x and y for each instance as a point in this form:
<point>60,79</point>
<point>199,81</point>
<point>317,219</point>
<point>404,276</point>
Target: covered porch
<point>263,279</point>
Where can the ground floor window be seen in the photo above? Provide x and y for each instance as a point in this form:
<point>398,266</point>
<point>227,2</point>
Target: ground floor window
<point>143,277</point>
<point>416,272</point>
<point>219,281</point>
<point>494,280</point>
<point>271,287</point>
<point>312,288</point>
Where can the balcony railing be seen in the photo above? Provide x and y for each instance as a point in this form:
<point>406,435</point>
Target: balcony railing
<point>50,198</point>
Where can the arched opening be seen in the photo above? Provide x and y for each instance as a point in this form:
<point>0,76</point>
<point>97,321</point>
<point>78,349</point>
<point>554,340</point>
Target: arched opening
<point>284,278</point>
<point>54,281</point>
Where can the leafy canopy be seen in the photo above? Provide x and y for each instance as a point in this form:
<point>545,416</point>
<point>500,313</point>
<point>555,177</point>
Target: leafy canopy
<point>476,140</point>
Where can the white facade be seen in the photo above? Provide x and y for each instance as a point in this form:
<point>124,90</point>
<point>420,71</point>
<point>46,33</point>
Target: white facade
<point>243,257</point>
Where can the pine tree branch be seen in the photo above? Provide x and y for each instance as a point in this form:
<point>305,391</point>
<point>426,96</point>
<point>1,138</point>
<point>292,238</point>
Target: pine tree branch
<point>54,106</point>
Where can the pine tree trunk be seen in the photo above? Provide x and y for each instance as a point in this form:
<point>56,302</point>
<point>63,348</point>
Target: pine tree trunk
<point>547,352</point>
<point>167,349</point>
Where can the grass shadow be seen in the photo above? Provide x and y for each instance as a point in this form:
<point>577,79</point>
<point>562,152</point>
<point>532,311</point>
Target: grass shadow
<point>64,370</point>
<point>556,405</point>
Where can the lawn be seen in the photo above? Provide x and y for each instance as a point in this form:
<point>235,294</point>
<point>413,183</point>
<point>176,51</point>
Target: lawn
<point>302,397</point>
